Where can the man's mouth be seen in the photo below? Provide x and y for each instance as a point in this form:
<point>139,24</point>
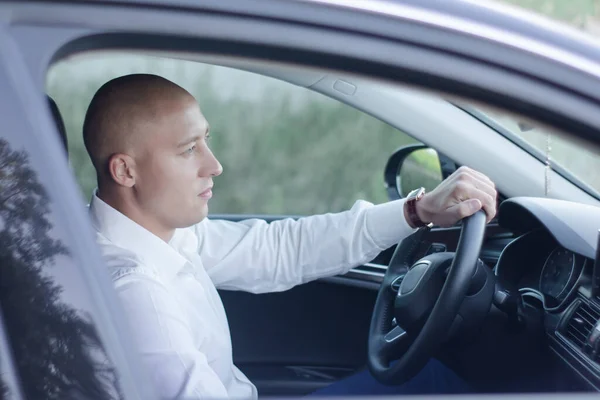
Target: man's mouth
<point>207,194</point>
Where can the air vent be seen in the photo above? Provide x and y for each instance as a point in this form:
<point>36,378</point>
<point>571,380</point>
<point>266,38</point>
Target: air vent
<point>581,324</point>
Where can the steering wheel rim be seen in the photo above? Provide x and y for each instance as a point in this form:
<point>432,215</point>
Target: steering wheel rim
<point>385,341</point>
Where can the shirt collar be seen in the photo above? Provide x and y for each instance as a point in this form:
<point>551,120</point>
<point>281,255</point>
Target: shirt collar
<point>124,232</point>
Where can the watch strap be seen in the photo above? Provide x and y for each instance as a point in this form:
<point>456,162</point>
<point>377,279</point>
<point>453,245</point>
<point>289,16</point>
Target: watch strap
<point>411,208</point>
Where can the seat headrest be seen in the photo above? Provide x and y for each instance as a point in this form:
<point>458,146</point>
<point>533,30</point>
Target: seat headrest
<point>60,124</point>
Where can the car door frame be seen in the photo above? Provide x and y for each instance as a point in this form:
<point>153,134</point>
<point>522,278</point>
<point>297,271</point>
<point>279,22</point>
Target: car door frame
<point>47,156</point>
<point>457,33</point>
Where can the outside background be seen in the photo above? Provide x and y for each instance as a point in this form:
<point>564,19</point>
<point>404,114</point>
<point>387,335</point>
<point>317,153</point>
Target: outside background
<point>280,144</point>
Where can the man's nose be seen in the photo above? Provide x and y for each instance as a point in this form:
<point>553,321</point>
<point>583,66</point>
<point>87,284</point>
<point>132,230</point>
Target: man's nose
<point>212,166</point>
<point>218,170</point>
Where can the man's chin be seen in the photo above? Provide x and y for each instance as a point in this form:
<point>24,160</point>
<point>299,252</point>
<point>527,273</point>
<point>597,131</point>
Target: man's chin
<point>200,215</point>
<point>193,218</point>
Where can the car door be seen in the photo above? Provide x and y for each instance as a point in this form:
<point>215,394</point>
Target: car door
<point>454,76</point>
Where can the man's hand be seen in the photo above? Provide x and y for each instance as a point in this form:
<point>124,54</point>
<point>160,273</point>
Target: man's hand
<point>462,194</point>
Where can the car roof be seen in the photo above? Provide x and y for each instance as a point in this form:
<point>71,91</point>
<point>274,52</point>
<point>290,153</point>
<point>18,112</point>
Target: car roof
<point>489,19</point>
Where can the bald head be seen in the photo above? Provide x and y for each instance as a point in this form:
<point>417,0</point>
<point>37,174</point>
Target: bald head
<point>148,141</point>
<point>124,112</point>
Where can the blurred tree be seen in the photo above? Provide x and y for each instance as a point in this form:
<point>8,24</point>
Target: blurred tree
<point>573,12</point>
<point>57,351</point>
<point>4,391</point>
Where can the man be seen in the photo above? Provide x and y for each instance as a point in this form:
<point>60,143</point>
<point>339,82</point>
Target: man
<point>147,139</point>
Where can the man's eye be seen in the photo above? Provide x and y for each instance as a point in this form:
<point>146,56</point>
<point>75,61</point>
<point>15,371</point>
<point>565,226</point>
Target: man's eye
<point>190,150</point>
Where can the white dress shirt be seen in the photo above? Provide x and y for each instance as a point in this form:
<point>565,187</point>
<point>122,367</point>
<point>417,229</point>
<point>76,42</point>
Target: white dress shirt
<point>169,290</point>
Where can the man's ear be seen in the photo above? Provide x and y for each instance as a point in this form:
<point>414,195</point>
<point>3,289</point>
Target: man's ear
<point>121,169</point>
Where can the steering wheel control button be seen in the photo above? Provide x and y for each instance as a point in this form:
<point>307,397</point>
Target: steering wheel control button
<point>413,277</point>
<point>394,334</point>
<point>436,248</point>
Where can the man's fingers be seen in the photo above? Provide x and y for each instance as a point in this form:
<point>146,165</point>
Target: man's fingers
<point>466,171</point>
<point>489,204</point>
<point>485,187</point>
<point>470,182</point>
<point>465,208</point>
<point>469,207</point>
<point>468,191</point>
<point>484,178</point>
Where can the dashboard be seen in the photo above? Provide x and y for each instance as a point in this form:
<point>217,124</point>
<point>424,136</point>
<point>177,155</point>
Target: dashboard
<point>559,273</point>
<point>542,269</point>
<point>545,249</point>
<point>552,265</point>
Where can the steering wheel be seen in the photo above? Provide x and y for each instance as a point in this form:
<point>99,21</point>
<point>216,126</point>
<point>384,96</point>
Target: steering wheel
<point>424,302</point>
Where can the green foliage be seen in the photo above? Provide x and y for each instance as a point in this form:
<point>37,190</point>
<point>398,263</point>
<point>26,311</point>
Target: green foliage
<point>573,12</point>
<point>319,158</point>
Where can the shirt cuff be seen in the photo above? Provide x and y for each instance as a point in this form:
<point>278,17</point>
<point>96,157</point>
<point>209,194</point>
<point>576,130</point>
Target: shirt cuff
<point>387,224</point>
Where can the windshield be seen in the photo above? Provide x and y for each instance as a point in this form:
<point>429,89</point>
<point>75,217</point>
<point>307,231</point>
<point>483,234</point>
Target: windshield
<point>573,160</point>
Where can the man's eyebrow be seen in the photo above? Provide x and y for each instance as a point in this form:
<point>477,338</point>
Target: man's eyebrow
<point>194,138</point>
<point>188,141</point>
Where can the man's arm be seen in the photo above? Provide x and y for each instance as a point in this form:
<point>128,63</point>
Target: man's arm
<point>176,368</point>
<point>259,257</point>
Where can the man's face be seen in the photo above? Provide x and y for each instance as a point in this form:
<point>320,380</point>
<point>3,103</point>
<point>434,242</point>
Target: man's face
<point>175,167</point>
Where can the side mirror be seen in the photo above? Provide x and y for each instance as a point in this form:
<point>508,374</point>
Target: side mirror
<point>411,167</point>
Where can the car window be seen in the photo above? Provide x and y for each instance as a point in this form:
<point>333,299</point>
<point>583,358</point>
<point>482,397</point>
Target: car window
<point>284,149</point>
<point>45,302</point>
<point>576,162</point>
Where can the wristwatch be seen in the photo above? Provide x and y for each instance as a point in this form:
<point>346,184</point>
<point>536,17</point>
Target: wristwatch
<point>410,207</point>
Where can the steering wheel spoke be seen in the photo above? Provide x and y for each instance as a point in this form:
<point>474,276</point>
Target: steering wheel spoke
<point>393,344</point>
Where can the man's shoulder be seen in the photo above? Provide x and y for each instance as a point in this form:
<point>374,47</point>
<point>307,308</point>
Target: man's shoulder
<point>122,263</point>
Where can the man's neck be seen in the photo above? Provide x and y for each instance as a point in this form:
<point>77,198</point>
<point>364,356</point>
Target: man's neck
<point>133,213</point>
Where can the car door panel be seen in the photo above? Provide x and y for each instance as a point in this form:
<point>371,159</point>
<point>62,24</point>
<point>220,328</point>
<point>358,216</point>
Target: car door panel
<point>299,340</point>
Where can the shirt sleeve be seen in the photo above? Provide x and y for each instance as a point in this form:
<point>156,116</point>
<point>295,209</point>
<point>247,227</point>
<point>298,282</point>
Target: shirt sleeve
<point>177,369</point>
<point>258,257</point>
